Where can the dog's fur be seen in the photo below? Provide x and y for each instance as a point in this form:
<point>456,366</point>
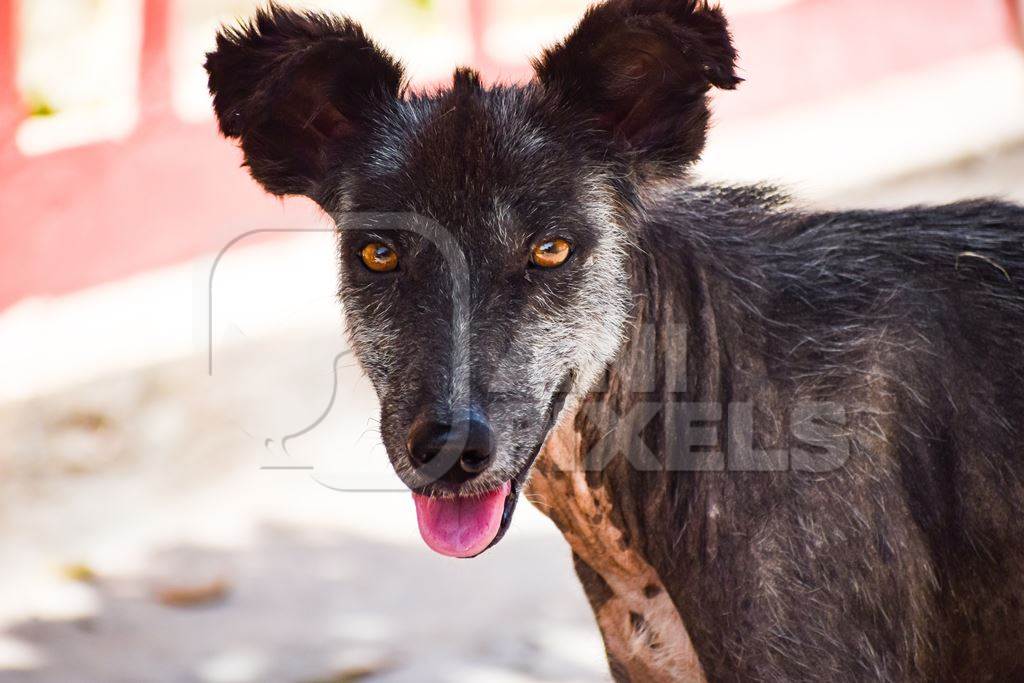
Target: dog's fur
<point>783,445</point>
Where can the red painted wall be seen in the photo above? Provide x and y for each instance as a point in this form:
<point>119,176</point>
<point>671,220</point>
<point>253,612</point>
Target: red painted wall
<point>173,190</point>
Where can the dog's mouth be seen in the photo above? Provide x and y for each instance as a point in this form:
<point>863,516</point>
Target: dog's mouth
<point>467,525</point>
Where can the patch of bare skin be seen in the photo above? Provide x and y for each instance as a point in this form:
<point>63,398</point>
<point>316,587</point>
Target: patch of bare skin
<point>643,632</point>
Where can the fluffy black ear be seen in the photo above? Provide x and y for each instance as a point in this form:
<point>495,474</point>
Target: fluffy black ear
<point>638,71</point>
<point>294,88</point>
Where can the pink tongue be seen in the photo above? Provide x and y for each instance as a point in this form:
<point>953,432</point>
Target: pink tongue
<point>462,526</point>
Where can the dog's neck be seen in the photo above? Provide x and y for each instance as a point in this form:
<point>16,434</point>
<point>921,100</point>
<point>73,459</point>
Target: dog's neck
<point>603,479</point>
<point>643,632</point>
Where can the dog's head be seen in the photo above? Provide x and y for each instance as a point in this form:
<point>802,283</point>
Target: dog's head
<point>484,232</point>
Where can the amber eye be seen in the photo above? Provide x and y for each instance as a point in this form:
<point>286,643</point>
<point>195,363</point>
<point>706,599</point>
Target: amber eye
<point>380,258</point>
<point>551,253</point>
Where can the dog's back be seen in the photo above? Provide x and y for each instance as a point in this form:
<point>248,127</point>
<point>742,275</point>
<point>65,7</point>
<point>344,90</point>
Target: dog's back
<point>920,314</point>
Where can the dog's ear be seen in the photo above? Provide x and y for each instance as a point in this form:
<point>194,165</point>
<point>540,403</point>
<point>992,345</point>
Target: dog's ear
<point>297,89</point>
<point>638,71</point>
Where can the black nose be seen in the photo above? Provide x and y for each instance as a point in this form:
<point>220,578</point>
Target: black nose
<point>454,453</point>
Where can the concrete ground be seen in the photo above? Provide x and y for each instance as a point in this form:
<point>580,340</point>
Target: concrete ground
<point>140,540</point>
<point>156,524</point>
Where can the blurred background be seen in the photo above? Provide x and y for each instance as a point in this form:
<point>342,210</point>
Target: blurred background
<point>192,487</point>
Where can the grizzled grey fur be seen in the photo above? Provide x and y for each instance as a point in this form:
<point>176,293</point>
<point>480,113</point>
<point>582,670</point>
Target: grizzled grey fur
<point>859,511</point>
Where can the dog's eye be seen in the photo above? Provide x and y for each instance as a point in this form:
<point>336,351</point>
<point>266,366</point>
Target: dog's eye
<point>378,257</point>
<point>551,253</point>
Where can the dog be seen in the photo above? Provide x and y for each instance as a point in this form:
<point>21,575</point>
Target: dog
<point>783,444</point>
